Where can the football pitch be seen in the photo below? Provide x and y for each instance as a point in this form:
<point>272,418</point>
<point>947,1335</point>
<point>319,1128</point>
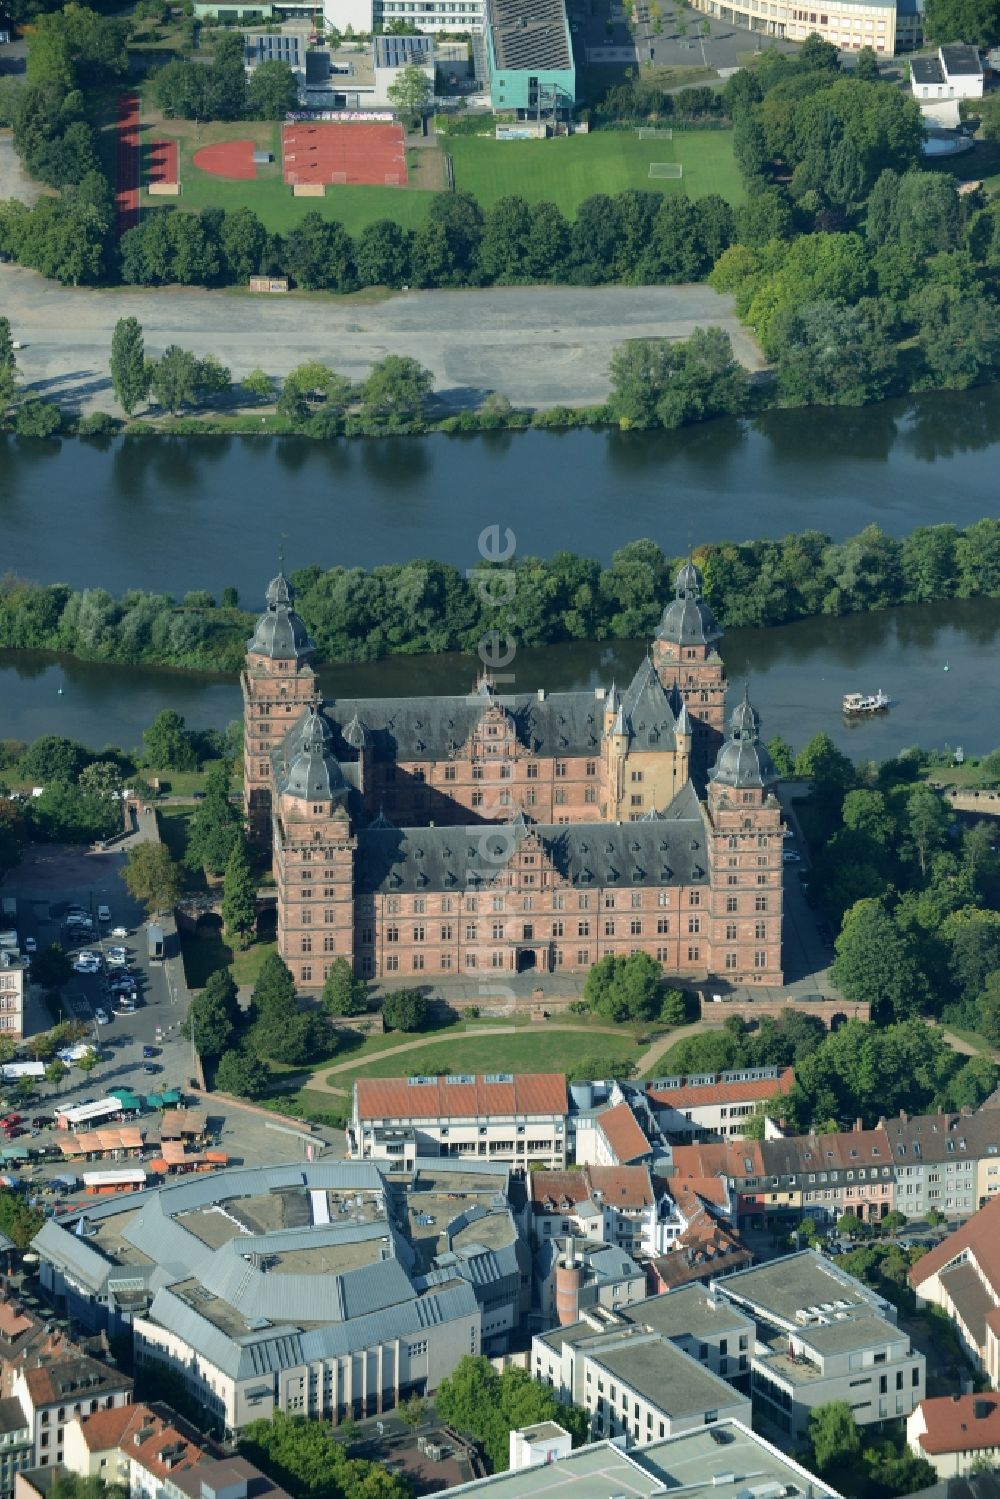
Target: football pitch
<point>570,168</point>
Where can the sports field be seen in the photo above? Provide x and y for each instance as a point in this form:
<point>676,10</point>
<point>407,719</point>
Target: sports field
<point>571,168</point>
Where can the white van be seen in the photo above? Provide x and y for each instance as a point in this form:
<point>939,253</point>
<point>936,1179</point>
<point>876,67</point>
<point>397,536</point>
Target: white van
<point>104,914</point>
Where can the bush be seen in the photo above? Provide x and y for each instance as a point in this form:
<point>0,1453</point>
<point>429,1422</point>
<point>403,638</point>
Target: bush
<point>35,418</point>
<point>406,1010</point>
<point>98,424</point>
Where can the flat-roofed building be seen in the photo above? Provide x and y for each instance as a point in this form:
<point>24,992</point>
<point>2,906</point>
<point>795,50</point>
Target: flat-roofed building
<point>529,57</point>
<point>500,1116</point>
<point>724,1459</point>
<point>848,24</point>
<point>823,1336</point>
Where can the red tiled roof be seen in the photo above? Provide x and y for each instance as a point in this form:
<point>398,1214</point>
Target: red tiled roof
<point>621,1130</point>
<point>13,1321</point>
<point>732,1158</point>
<point>447,1098</point>
<point>106,1429</point>
<point>691,1095</point>
<point>687,1192</point>
<point>557,1186</point>
<point>953,1425</point>
<point>980,1236</point>
<point>622,1186</point>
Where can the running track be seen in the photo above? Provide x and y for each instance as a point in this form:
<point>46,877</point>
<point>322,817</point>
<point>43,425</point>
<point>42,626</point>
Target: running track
<point>127,177</point>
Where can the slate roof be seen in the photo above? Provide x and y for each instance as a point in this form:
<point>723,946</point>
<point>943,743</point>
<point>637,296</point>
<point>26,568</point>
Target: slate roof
<point>649,718</point>
<point>798,1154</point>
<point>280,634</point>
<point>743,760</point>
<point>436,728</point>
<point>970,1298</point>
<point>669,851</point>
<point>688,620</point>
<point>304,764</point>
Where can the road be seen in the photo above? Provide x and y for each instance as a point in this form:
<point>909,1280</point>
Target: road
<point>539,346</point>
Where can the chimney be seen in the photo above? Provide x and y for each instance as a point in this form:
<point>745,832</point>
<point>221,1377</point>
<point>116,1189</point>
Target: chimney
<point>859,1125</point>
<point>902,1115</point>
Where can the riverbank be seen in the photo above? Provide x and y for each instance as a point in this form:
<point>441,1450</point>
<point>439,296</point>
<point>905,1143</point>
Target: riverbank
<point>539,346</point>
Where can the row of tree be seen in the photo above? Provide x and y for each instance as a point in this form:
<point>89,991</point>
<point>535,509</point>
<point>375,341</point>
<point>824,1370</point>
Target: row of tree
<point>221,90</point>
<point>354,614</point>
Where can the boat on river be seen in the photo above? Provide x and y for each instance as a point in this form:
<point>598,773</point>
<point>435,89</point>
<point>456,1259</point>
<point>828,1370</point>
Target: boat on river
<point>857,704</point>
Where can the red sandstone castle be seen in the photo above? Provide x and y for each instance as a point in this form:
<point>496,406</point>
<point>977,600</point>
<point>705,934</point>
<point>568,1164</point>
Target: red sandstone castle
<point>483,835</point>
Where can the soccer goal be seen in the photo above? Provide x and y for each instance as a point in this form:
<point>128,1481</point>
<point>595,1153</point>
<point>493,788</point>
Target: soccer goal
<point>666,169</point>
<point>652,133</point>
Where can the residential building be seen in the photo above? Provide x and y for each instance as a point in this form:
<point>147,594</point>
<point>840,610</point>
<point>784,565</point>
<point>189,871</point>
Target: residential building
<point>55,1390</point>
<point>940,83</point>
<point>823,1336</point>
<point>707,1246</point>
<point>446,835</point>
<point>718,1105</point>
<point>956,1432</point>
<point>937,1160</point>
<point>317,1288</point>
<point>16,1444</point>
<point>500,1116</point>
<point>620,1140</point>
<point>221,1478</point>
<point>97,1446</point>
<point>825,1176</point>
<point>724,1459</point>
<point>613,1204</point>
<point>961,1275</point>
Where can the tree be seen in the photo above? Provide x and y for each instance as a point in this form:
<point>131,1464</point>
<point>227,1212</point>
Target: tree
<point>256,383</point>
<point>152,877</point>
<point>213,1017</point>
<point>406,1010</point>
<point>382,254</point>
<point>8,366</point>
<point>927,823</point>
<point>306,1459</point>
<point>410,91</point>
<point>50,967</point>
<point>673,1007</point>
<point>625,988</point>
<point>833,1434</point>
<point>301,1037</point>
<point>272,91</point>
<point>893,1222</point>
<point>975,21</point>
<point>53,758</point>
<point>216,826</point>
<point>486,1405</point>
<point>242,1073</point>
<point>875,962</point>
<point>867,66</point>
<point>129,374</point>
<point>831,355</point>
<point>17,1220</point>
<point>343,993</point>
<point>167,743</point>
<point>239,894</point>
<point>657,382</point>
<point>55,1071</point>
<point>37,418</point>
<point>396,389</point>
<point>244,242</point>
<point>88,1062</point>
<point>173,378</point>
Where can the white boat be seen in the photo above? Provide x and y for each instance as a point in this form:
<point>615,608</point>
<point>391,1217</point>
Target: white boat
<point>865,702</point>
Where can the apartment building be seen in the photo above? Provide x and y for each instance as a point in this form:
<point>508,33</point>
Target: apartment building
<point>883,25</point>
<point>823,1336</point>
<point>716,1105</point>
<point>497,1117</point>
<point>53,1392</point>
<point>613,1204</point>
<point>16,1445</point>
<point>825,1176</point>
<point>938,1159</point>
<point>961,1275</point>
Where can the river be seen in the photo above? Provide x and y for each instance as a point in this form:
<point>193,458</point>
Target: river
<point>798,674</point>
<point>175,514</point>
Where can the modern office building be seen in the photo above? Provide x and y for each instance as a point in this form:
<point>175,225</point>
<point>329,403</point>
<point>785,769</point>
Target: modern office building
<point>887,26</point>
<point>529,56</point>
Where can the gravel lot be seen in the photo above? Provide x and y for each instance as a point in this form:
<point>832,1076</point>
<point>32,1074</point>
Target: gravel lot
<point>14,181</point>
<point>540,346</point>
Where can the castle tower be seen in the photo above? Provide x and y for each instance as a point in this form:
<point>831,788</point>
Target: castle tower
<point>278,681</point>
<point>745,854</point>
<point>687,662</point>
<point>314,848</point>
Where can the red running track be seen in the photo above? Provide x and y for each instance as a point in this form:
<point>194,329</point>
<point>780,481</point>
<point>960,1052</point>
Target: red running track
<point>127,179</point>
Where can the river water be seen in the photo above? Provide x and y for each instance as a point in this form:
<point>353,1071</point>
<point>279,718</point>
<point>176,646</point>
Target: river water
<point>175,514</point>
<point>798,676</point>
<point>178,514</point>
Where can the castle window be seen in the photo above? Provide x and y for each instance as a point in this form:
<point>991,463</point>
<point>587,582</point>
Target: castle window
<point>306,892</point>
<point>445,961</point>
<point>470,931</point>
<point>496,958</point>
<point>583,929</point>
<point>760,930</point>
<point>557,929</point>
<point>609,928</point>
<point>560,797</point>
<point>531,797</point>
<point>446,905</point>
<point>528,879</point>
<point>317,809</point>
<point>262,768</point>
<point>418,775</point>
<point>760,902</point>
<point>329,916</point>
<point>392,963</point>
<point>636,776</point>
<point>760,960</point>
<point>446,932</point>
<point>450,772</point>
<point>732,879</point>
<point>329,893</point>
<point>747,798</point>
<point>662,954</point>
<point>762,879</point>
<point>419,905</point>
<point>470,903</point>
<point>558,901</point>
<point>583,902</point>
<point>505,772</point>
<point>470,960</point>
<point>418,961</point>
<point>731,903</point>
<point>694,897</point>
<point>730,961</point>
<point>763,841</point>
<point>392,905</point>
<point>528,903</point>
<point>635,926</point>
<point>559,957</point>
<point>662,898</point>
<point>307,973</point>
<point>590,795</point>
<point>636,801</point>
<point>392,934</point>
<point>694,953</point>
<point>731,931</point>
<point>330,943</point>
<point>307,917</point>
<point>477,798</point>
<point>561,767</point>
<point>663,925</point>
<point>496,903</point>
<point>733,841</point>
<point>636,900</point>
<point>306,944</point>
<point>591,767</point>
<point>532,772</point>
<point>498,931</point>
<point>478,772</point>
<point>418,934</point>
<point>609,900</point>
<point>583,957</point>
<point>505,798</point>
<point>694,923</point>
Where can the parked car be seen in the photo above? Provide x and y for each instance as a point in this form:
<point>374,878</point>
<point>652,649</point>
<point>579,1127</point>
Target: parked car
<point>42,1121</point>
<point>152,1067</point>
<point>791,856</point>
<point>119,931</point>
<point>30,945</point>
<point>119,954</point>
<point>101,1016</point>
<point>150,1051</point>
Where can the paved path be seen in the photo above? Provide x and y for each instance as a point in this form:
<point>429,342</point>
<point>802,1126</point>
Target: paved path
<point>539,346</point>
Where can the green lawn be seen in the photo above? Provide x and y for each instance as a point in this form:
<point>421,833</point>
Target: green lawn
<point>523,1051</point>
<point>570,168</point>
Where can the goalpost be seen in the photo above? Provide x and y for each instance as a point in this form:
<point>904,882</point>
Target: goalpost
<point>654,133</point>
<point>666,169</point>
